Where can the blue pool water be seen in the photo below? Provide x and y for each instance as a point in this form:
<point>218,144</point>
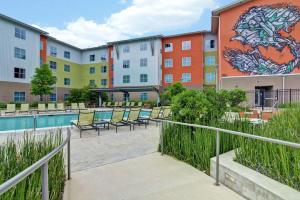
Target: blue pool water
<point>45,121</point>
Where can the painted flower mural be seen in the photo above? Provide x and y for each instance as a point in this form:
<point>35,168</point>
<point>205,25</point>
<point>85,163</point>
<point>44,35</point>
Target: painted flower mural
<point>261,27</point>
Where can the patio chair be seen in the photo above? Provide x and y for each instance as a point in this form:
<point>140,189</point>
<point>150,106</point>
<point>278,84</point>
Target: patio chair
<point>166,112</point>
<point>85,122</point>
<point>82,106</point>
<point>74,106</point>
<point>117,119</point>
<point>24,108</point>
<point>154,115</point>
<point>41,108</point>
<point>140,104</point>
<point>127,105</point>
<point>116,104</point>
<point>231,116</point>
<point>133,117</point>
<point>109,104</point>
<point>104,104</point>
<point>51,107</point>
<point>60,107</point>
<point>120,104</point>
<point>132,104</point>
<point>10,108</point>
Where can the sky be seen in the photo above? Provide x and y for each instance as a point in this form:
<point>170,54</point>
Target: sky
<point>90,23</point>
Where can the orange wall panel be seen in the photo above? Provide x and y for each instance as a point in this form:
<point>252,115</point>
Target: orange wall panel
<point>110,68</point>
<point>43,52</point>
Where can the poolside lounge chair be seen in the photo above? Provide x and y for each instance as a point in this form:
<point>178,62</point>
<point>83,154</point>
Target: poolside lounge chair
<point>10,108</point>
<point>132,104</point>
<point>133,117</point>
<point>85,121</point>
<point>116,104</point>
<point>140,104</point>
<point>166,112</point>
<point>104,104</point>
<point>51,107</point>
<point>154,115</point>
<point>109,104</point>
<point>120,104</point>
<point>60,107</point>
<point>117,119</point>
<point>24,108</point>
<point>41,108</point>
<point>127,105</point>
<point>74,106</point>
<point>82,106</point>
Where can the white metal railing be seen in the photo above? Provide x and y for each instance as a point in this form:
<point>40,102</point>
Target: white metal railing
<point>218,132</point>
<point>43,164</point>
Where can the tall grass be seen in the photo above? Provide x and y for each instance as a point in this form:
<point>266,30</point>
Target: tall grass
<point>17,155</point>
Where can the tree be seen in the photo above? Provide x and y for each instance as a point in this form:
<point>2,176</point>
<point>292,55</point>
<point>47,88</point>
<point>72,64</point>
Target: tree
<point>170,92</point>
<point>42,82</point>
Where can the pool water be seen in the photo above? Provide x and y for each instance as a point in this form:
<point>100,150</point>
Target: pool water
<point>46,121</point>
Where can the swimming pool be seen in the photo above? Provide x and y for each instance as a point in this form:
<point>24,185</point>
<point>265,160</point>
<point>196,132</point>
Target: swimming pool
<point>47,121</point>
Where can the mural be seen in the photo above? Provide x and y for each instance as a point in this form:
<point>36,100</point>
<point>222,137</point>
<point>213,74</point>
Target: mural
<point>261,26</point>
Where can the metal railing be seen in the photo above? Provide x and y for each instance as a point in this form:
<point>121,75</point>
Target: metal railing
<point>43,164</point>
<point>218,134</point>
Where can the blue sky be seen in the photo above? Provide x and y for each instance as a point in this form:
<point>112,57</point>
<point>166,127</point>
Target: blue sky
<point>93,22</point>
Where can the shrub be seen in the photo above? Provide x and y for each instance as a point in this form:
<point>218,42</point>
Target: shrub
<point>170,92</point>
<point>236,96</point>
<point>2,105</point>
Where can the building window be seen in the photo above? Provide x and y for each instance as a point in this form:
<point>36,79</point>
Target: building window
<point>126,79</point>
<point>186,61</point>
<point>92,58</point>
<point>210,44</point>
<point>186,45</point>
<point>20,33</point>
<point>186,77</point>
<point>103,57</point>
<point>19,97</point>
<point>103,69</point>
<point>53,51</point>
<point>126,63</point>
<point>210,60</point>
<point>168,47</point>
<point>67,55</point>
<point>143,62</point>
<point>126,96</point>
<point>126,49</point>
<point>66,96</point>
<point>19,73</point>
<point>20,53</point>
<point>143,46</point>
<point>168,78</point>
<point>92,83</point>
<point>144,96</point>
<point>103,82</point>
<point>168,62</point>
<point>67,68</point>
<point>210,77</point>
<point>53,97</point>
<point>52,65</point>
<point>92,70</point>
<point>144,78</point>
<point>67,81</point>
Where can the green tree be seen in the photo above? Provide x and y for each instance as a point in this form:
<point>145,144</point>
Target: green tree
<point>42,82</point>
<point>170,92</point>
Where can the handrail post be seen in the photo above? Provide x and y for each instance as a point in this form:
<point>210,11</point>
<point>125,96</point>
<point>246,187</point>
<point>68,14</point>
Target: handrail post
<point>217,158</point>
<point>161,127</point>
<point>45,188</point>
<point>69,154</point>
<point>34,122</point>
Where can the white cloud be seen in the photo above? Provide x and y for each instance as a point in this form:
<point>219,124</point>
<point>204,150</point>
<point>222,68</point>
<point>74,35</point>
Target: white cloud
<point>140,17</point>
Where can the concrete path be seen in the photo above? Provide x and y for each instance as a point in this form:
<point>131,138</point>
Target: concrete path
<point>149,177</point>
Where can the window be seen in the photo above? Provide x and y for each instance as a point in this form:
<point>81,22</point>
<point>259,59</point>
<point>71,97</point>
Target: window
<point>19,97</point>
<point>19,73</point>
<point>20,33</point>
<point>126,79</point>
<point>41,45</point>
<point>103,82</point>
<point>126,63</point>
<point>52,65</point>
<point>103,69</point>
<point>144,96</point>
<point>20,53</point>
<point>67,68</point>
<point>92,83</point>
<point>210,77</point>
<point>67,81</point>
<point>53,97</point>
<point>168,47</point>
<point>168,62</point>
<point>53,51</point>
<point>186,61</point>
<point>143,46</point>
<point>92,70</point>
<point>92,58</point>
<point>67,55</point>
<point>168,78</point>
<point>210,44</point>
<point>210,60</point>
<point>144,78</point>
<point>143,62</point>
<point>186,45</point>
<point>126,49</point>
<point>186,77</point>
<point>126,96</point>
<point>66,96</point>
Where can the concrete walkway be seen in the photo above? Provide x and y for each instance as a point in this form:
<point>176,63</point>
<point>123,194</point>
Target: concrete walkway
<point>149,177</point>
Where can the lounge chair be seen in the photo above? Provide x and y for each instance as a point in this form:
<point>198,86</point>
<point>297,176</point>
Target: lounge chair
<point>127,105</point>
<point>74,106</point>
<point>104,104</point>
<point>41,108</point>
<point>116,104</point>
<point>24,108</point>
<point>117,119</point>
<point>109,104</point>
<point>10,108</point>
<point>51,107</point>
<point>60,107</point>
<point>132,104</point>
<point>120,104</point>
<point>133,117</point>
<point>85,122</point>
<point>166,112</point>
<point>140,104</point>
<point>154,115</point>
<point>82,106</point>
